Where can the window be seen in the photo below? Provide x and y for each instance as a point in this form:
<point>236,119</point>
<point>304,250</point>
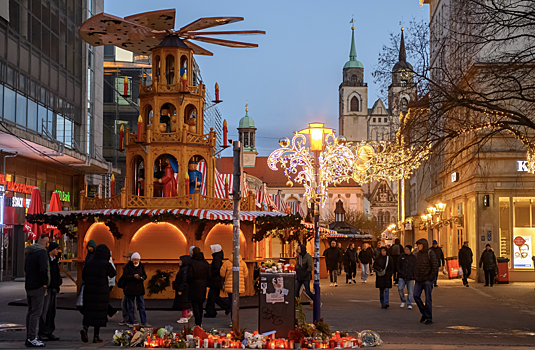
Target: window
<point>373,120</point>
<point>21,110</point>
<point>60,128</point>
<point>42,112</point>
<point>32,115</point>
<point>523,232</point>
<point>68,133</point>
<point>403,83</point>
<point>404,105</point>
<point>505,233</point>
<point>354,104</point>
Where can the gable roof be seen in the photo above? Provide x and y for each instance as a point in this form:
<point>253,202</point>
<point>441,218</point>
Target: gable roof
<point>382,187</point>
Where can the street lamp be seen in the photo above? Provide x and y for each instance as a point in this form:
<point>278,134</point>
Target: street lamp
<point>331,160</point>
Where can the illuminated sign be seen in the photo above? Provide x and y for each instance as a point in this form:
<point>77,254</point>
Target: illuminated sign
<point>15,186</point>
<point>455,177</point>
<point>17,202</point>
<point>522,165</point>
<point>64,197</point>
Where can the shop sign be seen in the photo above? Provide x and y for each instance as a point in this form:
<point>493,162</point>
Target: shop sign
<point>523,252</point>
<point>454,177</point>
<point>64,196</point>
<point>17,202</point>
<point>15,186</point>
<point>92,190</point>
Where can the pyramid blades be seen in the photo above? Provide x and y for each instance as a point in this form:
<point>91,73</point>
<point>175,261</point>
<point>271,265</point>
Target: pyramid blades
<point>208,22</point>
<point>234,32</point>
<point>227,43</point>
<point>157,20</point>
<point>197,49</point>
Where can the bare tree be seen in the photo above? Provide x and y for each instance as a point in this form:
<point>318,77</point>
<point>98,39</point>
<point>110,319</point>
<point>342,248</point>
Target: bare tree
<point>356,218</point>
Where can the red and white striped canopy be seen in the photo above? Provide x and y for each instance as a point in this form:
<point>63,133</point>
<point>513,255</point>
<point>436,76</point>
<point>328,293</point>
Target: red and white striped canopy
<point>200,213</point>
<point>223,185</point>
<point>322,229</point>
<point>264,199</point>
<point>280,204</point>
<point>295,208</point>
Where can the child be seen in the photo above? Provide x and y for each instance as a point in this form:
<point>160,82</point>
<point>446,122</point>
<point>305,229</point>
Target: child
<point>180,285</point>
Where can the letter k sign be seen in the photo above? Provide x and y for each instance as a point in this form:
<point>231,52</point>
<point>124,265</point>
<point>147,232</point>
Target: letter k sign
<point>522,165</point>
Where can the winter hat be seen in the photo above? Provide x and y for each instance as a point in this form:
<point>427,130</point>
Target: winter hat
<point>52,246</point>
<point>435,241</point>
<point>135,256</point>
<point>215,248</point>
<point>92,243</point>
<point>191,250</point>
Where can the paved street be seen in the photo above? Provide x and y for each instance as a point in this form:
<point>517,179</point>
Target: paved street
<point>476,317</point>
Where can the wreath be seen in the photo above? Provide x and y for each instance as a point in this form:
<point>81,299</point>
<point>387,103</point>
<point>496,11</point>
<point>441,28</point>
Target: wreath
<point>159,281</point>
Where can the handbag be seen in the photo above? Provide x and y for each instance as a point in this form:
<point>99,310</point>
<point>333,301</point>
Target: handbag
<point>80,300</point>
<point>460,272</point>
<point>383,272</point>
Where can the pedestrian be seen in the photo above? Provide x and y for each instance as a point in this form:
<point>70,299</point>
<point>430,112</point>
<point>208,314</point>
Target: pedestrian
<point>341,259</point>
<point>359,249</point>
<point>465,261</point>
<point>395,251</point>
<point>369,249</point>
<point>489,264</point>
<point>405,268</point>
<point>134,276</point>
<point>111,284</point>
<point>47,324</point>
<point>124,302</point>
<point>425,268</point>
<point>91,246</point>
<point>377,250</point>
<point>180,285</point>
<point>96,296</point>
<point>384,268</point>
<point>216,284</point>
<point>332,256</point>
<point>440,256</point>
<point>198,277</point>
<point>226,273</point>
<point>365,259</point>
<point>350,262</point>
<point>303,272</point>
<point>36,282</point>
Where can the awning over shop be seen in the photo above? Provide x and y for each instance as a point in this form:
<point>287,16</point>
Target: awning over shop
<point>200,213</point>
<point>322,229</point>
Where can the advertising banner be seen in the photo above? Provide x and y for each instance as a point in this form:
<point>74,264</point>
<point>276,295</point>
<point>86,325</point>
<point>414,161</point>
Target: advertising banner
<point>523,252</point>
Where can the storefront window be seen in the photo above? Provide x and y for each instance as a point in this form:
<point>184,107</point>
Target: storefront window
<point>505,234</point>
<point>471,218</point>
<point>524,232</point>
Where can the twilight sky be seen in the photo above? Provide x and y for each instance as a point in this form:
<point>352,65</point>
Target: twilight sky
<point>292,78</point>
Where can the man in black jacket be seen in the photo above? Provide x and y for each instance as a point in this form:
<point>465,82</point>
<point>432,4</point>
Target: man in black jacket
<point>199,274</point>
<point>425,269</point>
<point>37,270</point>
<point>46,322</point>
<point>332,257</point>
<point>216,284</point>
<point>350,262</point>
<point>365,259</point>
<point>405,268</point>
<point>440,256</point>
<point>465,262</point>
<point>395,251</point>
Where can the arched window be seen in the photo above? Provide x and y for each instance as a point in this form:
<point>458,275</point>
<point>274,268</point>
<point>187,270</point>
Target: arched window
<point>404,104</point>
<point>354,104</point>
<point>354,78</point>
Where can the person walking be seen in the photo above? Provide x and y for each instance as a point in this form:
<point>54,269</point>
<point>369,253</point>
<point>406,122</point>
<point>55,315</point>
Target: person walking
<point>332,256</point>
<point>384,269</point>
<point>425,268</point>
<point>303,272</point>
<point>489,264</point>
<point>395,251</point>
<point>405,268</point>
<point>440,256</point>
<point>365,260</point>
<point>198,276</point>
<point>124,302</point>
<point>350,262</point>
<point>465,261</point>
<point>96,296</point>
<point>134,275</point>
<point>359,249</point>
<point>91,246</point>
<point>341,259</point>
<point>36,282</point>
<point>370,251</point>
<point>180,285</point>
<point>216,284</point>
<point>47,324</point>
<point>226,273</point>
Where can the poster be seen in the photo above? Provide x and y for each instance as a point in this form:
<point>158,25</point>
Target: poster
<point>523,252</point>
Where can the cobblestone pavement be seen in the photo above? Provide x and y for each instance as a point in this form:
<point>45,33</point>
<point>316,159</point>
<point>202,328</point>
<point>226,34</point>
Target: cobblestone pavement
<point>477,317</point>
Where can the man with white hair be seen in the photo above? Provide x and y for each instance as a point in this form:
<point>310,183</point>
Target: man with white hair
<point>37,270</point>
<point>134,275</point>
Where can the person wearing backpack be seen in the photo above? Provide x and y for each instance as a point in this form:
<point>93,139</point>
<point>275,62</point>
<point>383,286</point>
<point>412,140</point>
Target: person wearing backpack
<point>303,272</point>
<point>425,269</point>
<point>384,267</point>
<point>395,252</point>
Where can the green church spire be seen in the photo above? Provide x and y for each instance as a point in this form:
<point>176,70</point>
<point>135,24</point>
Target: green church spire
<point>353,63</point>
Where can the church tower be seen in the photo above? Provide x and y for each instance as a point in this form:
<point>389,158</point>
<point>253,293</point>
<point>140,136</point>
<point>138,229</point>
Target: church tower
<point>353,98</point>
<point>403,89</point>
<point>247,131</point>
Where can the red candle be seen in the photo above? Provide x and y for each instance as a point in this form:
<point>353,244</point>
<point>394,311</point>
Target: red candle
<point>216,91</point>
<point>121,138</point>
<point>226,187</point>
<point>112,185</point>
<point>125,86</point>
<point>225,132</point>
<point>185,82</point>
<point>186,184</point>
<point>139,128</point>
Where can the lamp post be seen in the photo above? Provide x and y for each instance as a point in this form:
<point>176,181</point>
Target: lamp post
<point>325,161</point>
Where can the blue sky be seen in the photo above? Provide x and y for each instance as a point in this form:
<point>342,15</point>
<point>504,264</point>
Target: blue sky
<point>292,78</point>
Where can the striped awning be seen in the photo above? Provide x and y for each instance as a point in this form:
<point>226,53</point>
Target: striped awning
<point>223,185</point>
<point>296,208</point>
<point>200,213</point>
<point>322,229</point>
<point>337,235</point>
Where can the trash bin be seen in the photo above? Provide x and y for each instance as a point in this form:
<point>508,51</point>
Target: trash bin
<point>503,271</point>
<point>452,264</point>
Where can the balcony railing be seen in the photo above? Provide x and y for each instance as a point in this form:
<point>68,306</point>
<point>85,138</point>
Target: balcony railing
<point>158,88</point>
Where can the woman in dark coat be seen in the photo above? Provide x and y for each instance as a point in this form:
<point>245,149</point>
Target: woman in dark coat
<point>134,276</point>
<point>96,297</point>
<point>383,265</point>
<point>198,276</point>
<point>489,264</point>
<point>180,285</point>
